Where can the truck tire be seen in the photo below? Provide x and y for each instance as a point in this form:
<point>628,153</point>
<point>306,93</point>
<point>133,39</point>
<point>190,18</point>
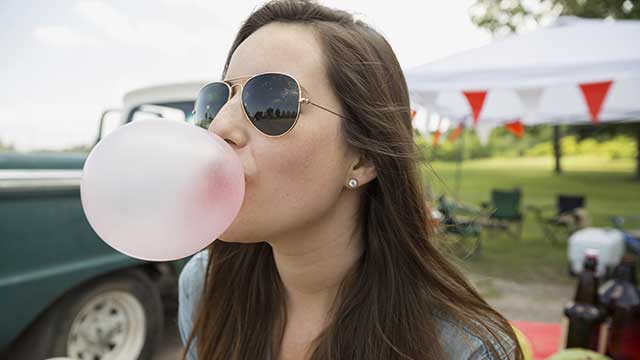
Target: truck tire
<point>115,317</point>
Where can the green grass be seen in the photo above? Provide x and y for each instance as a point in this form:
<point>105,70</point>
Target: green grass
<point>608,185</point>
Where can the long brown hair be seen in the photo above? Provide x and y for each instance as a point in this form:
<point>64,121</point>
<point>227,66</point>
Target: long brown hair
<point>385,306</point>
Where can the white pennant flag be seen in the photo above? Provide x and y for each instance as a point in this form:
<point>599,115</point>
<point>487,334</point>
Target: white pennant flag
<point>531,100</point>
<point>483,130</point>
<point>426,99</point>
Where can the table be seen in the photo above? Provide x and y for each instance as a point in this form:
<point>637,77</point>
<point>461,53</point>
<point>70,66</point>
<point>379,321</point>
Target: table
<point>543,337</point>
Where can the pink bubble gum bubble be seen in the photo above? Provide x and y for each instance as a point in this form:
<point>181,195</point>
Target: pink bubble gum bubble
<point>160,189</point>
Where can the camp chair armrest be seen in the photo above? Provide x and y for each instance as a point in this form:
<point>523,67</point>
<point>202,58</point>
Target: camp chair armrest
<point>461,208</point>
<point>540,208</point>
<point>469,210</point>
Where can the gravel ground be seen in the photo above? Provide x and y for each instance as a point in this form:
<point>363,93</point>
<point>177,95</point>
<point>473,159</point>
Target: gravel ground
<point>541,302</point>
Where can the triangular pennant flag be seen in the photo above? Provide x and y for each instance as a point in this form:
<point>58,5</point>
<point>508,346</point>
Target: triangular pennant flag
<point>594,94</point>
<point>483,131</point>
<point>530,98</point>
<point>436,137</point>
<point>476,101</point>
<point>426,98</point>
<point>421,123</point>
<point>413,118</point>
<point>456,132</point>
<point>516,128</point>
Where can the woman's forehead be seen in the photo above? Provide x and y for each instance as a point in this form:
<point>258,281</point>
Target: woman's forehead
<point>279,47</point>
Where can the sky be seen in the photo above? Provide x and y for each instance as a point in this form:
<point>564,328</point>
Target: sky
<point>63,62</point>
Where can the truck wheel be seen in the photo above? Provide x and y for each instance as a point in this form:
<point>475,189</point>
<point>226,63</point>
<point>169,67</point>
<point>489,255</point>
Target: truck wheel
<point>116,317</point>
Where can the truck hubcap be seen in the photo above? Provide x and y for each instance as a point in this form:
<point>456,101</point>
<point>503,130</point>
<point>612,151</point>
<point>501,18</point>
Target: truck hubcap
<point>109,327</point>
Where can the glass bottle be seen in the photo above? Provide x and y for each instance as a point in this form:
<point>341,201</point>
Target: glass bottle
<point>584,316</point>
<point>620,298</point>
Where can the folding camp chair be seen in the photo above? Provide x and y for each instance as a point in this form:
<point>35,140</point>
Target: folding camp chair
<point>570,215</point>
<point>460,223</point>
<point>504,211</point>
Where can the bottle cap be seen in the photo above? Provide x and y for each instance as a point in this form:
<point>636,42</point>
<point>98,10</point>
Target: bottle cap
<point>590,253</point>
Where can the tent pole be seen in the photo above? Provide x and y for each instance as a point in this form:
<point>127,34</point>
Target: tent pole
<point>638,153</point>
<point>460,158</point>
<point>557,151</point>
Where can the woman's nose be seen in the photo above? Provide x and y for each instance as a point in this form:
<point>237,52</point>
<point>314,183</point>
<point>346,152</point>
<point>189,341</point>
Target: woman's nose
<point>229,123</point>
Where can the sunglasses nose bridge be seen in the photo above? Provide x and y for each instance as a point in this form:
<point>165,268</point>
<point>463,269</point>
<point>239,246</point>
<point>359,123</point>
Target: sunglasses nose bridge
<point>225,124</point>
<point>231,89</point>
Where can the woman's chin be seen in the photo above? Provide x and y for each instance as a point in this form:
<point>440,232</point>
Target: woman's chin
<point>231,236</point>
<point>236,240</point>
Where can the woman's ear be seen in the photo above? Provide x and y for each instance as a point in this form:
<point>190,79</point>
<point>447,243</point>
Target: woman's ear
<point>362,169</point>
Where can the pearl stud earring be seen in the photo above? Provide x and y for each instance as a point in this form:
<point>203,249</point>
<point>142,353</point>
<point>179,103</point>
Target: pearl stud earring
<point>353,183</point>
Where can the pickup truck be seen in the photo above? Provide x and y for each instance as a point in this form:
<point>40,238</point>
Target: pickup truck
<point>64,291</point>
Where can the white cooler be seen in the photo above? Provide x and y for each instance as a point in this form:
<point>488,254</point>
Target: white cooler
<point>608,242</point>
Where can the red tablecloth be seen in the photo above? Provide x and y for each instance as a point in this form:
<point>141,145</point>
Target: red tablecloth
<point>543,337</point>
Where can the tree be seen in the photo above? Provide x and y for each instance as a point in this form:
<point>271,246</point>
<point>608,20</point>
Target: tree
<point>504,16</point>
<point>501,17</point>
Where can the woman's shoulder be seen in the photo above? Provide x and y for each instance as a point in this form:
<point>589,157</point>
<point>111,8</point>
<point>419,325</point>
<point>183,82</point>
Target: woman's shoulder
<point>460,342</point>
<point>192,275</point>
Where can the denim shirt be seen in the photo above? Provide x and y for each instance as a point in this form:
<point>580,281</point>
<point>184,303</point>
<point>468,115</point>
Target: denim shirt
<point>457,341</point>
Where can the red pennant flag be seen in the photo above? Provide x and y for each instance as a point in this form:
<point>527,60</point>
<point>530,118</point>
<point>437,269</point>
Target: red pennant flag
<point>516,128</point>
<point>456,133</point>
<point>476,101</point>
<point>436,137</point>
<point>594,94</point>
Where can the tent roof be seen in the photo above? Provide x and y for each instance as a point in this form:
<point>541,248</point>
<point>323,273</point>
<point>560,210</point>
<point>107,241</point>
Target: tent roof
<point>571,50</point>
<point>540,76</point>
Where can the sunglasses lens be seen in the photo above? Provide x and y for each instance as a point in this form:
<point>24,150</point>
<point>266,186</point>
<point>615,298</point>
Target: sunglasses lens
<point>210,100</point>
<point>271,102</point>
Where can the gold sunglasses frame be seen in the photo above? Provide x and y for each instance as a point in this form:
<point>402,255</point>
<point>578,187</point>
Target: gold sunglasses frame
<point>301,99</point>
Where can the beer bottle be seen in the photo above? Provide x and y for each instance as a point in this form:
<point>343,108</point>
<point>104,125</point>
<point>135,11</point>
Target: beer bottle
<point>621,299</point>
<point>583,316</point>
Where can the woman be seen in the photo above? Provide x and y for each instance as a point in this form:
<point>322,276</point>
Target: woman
<point>329,257</point>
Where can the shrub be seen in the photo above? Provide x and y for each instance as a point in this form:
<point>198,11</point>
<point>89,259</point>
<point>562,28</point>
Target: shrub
<point>504,144</point>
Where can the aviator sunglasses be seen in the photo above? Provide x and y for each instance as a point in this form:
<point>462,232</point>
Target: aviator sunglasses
<point>270,101</point>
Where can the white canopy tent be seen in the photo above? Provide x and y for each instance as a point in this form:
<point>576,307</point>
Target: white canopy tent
<point>575,71</point>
